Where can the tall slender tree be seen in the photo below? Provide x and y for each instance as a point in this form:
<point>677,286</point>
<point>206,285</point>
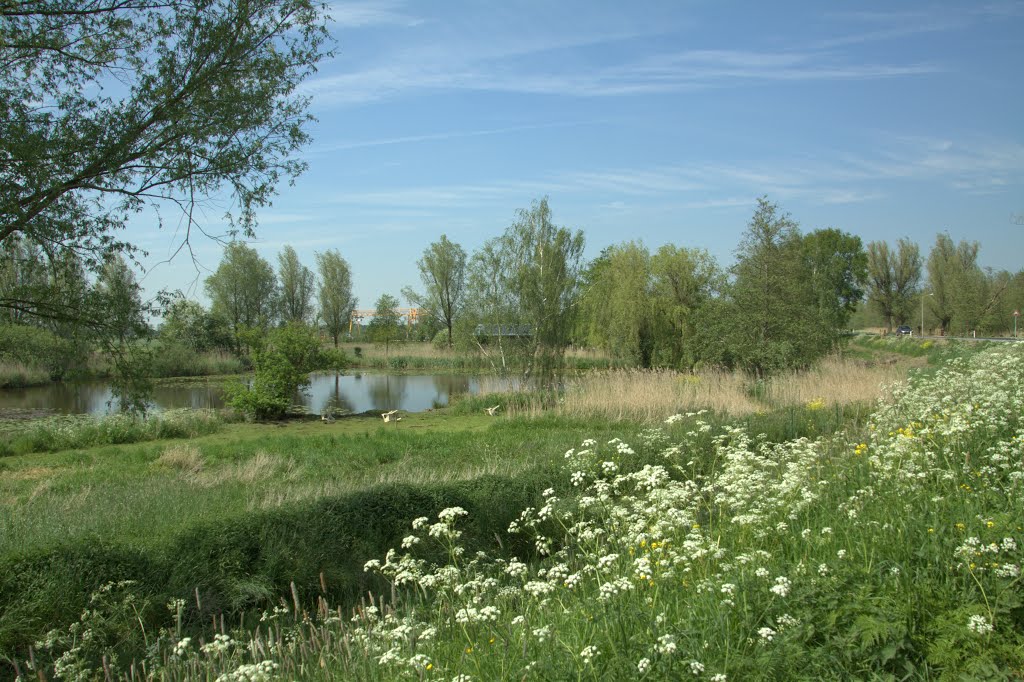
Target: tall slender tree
<point>296,287</point>
<point>530,277</point>
<point>334,293</point>
<point>774,320</point>
<point>386,325</point>
<point>443,273</point>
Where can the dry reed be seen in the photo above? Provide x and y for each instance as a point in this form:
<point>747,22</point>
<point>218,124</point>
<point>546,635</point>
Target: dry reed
<point>648,395</point>
<point>653,395</point>
<point>834,382</point>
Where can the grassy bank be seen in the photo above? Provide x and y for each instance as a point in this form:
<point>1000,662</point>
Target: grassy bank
<point>243,513</point>
<point>51,434</point>
<point>701,550</point>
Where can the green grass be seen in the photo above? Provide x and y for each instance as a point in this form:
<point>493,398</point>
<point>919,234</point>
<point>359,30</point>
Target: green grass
<point>242,513</point>
<point>51,434</point>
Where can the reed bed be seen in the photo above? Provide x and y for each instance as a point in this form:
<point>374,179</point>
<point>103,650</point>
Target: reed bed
<point>833,382</point>
<point>15,374</point>
<point>651,395</point>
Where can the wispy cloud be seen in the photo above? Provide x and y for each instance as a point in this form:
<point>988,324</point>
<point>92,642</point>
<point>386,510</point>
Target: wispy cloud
<point>971,166</point>
<point>370,13</point>
<point>433,137</point>
<point>664,73</point>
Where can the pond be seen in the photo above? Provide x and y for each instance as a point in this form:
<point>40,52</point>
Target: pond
<point>345,393</point>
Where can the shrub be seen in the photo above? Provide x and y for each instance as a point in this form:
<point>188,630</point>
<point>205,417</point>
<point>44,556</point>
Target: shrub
<point>282,362</point>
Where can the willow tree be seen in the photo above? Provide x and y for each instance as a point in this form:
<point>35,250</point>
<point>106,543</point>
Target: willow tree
<point>528,280</point>
<point>893,278</point>
<point>109,106</point>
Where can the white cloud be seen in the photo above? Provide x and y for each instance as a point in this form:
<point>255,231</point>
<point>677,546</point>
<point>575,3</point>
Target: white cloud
<point>370,13</point>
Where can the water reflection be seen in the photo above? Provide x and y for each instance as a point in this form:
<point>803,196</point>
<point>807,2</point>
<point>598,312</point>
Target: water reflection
<point>350,393</point>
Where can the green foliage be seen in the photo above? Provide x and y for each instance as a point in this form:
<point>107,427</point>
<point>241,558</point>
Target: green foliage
<point>529,277</point>
<point>386,325</point>
<point>838,269</point>
<point>188,323</point>
<point>206,100</point>
<point>772,319</point>
<point>243,290</point>
<point>39,349</point>
<point>68,432</point>
<point>333,359</point>
<point>893,277</point>
<point>282,361</point>
<point>443,273</point>
<point>334,293</point>
<point>642,309</point>
<point>118,294</point>
<point>297,284</point>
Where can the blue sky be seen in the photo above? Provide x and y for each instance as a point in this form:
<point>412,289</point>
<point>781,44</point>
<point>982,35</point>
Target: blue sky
<point>660,121</point>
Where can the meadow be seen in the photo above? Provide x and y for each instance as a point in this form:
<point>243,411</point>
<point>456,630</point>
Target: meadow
<point>806,537</point>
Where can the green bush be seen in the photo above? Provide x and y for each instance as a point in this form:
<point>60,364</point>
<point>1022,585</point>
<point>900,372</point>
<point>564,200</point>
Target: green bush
<point>282,361</point>
<point>173,359</point>
<point>39,350</point>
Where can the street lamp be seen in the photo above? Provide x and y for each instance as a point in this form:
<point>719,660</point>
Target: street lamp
<point>922,312</point>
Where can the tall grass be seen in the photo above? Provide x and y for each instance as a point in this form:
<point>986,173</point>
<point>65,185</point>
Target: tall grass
<point>174,360</point>
<point>832,382</point>
<point>15,374</point>
<point>426,356</point>
<point>649,395</point>
<point>83,431</point>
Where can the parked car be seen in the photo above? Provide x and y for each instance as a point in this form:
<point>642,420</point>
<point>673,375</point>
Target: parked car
<point>904,330</point>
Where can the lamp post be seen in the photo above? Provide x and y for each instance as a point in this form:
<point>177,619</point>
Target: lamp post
<point>922,312</point>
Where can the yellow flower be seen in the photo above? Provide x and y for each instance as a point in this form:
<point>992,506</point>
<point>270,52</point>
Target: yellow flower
<point>491,641</point>
<point>990,524</point>
<point>430,666</point>
<point>931,530</point>
<point>469,649</point>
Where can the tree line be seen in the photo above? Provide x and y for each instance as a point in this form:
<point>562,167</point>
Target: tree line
<point>527,294</point>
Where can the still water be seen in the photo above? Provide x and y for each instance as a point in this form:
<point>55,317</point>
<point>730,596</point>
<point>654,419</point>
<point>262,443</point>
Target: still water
<point>348,393</point>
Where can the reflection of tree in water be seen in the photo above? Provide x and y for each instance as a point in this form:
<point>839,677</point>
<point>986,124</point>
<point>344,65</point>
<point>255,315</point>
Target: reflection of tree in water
<point>449,387</point>
<point>386,391</point>
<point>336,402</point>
